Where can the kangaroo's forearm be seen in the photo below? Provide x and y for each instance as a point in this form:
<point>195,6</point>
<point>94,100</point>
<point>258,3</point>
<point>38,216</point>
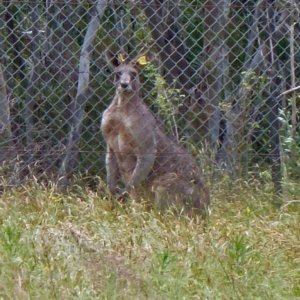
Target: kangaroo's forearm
<point>141,171</point>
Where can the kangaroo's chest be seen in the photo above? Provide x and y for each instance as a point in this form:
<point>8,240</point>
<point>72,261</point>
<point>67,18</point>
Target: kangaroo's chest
<point>118,128</point>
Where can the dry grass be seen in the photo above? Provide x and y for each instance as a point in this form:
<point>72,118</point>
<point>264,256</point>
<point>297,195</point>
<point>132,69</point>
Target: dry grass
<point>78,246</point>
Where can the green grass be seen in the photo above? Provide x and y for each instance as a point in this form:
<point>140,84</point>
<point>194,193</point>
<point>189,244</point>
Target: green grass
<point>77,245</point>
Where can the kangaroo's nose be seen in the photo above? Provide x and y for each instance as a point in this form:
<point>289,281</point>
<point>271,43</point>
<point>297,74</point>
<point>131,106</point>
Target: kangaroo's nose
<point>124,85</point>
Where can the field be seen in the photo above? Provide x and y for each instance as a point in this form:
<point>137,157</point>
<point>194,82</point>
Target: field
<point>78,245</point>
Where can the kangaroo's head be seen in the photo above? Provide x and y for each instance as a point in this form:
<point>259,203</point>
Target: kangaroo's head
<point>126,74</point>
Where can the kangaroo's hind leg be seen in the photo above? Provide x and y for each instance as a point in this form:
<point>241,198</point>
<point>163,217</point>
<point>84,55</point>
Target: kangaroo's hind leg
<point>172,192</point>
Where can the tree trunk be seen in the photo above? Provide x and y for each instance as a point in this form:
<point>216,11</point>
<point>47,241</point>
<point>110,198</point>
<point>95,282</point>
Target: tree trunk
<point>18,64</point>
<point>69,161</point>
<point>273,99</point>
<point>6,144</point>
<point>163,20</point>
<point>33,83</point>
<point>61,57</point>
<point>214,71</point>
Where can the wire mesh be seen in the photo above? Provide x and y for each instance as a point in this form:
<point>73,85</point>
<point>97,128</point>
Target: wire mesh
<point>221,78</point>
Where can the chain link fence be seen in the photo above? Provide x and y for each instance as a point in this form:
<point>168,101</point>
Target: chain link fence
<point>222,77</point>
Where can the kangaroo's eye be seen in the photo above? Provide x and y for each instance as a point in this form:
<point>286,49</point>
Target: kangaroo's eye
<point>133,74</point>
<point>117,75</point>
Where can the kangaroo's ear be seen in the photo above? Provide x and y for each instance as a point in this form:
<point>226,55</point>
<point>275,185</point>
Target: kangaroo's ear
<point>115,59</point>
<point>112,58</point>
<point>141,59</point>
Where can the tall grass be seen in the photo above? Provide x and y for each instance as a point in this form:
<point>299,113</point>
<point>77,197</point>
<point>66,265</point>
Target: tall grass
<point>77,245</point>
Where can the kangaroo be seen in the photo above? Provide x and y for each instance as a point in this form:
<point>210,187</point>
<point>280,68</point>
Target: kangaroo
<point>151,165</point>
